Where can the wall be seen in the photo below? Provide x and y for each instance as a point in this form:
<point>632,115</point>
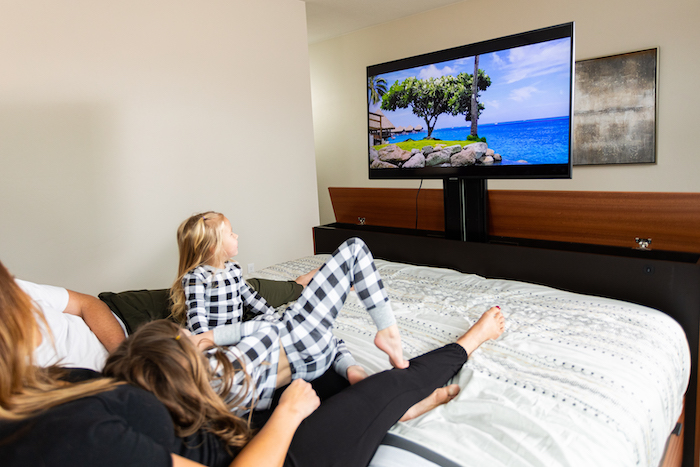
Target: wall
<point>338,80</point>
<point>120,119</point>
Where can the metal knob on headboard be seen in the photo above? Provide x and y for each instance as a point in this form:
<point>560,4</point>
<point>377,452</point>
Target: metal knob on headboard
<point>643,243</point>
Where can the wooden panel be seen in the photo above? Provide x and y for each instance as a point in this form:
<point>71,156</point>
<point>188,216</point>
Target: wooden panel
<point>671,220</point>
<point>389,207</point>
<point>673,457</point>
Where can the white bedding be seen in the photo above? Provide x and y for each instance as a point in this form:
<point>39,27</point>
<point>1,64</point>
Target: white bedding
<point>574,380</point>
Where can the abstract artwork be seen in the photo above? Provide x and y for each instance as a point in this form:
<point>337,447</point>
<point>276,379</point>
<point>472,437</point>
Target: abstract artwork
<point>615,109</point>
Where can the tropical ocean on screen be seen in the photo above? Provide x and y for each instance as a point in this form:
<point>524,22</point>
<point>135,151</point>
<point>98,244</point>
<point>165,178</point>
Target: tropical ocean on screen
<point>543,141</point>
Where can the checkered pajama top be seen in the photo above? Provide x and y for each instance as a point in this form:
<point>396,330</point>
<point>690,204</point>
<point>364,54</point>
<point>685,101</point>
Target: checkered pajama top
<point>216,297</point>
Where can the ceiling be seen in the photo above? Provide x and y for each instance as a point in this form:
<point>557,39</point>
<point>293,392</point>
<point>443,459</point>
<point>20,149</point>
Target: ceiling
<point>331,18</point>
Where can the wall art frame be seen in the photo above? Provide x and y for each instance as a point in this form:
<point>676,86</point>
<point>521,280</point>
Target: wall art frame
<point>615,106</point>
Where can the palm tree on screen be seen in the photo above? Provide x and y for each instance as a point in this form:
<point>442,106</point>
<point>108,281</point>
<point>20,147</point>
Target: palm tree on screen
<point>376,88</point>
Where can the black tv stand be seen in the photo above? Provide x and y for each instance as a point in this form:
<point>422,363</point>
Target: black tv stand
<point>466,209</point>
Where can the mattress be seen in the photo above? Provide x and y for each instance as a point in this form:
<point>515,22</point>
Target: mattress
<point>574,380</point>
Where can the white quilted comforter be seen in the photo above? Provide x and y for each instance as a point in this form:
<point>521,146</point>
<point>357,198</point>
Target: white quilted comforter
<point>574,380</point>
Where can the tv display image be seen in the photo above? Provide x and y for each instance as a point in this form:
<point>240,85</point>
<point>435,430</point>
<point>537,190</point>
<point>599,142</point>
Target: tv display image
<point>428,117</point>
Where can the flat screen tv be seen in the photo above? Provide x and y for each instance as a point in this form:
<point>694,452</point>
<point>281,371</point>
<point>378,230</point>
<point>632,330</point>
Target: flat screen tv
<point>496,109</point>
<point>428,120</point>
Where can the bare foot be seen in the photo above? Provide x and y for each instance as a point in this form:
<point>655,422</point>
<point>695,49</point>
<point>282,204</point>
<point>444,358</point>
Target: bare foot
<point>304,279</point>
<point>356,374</point>
<point>438,397</point>
<point>388,340</point>
<point>489,326</point>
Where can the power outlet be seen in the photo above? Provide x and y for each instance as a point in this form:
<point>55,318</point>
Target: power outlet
<point>251,267</point>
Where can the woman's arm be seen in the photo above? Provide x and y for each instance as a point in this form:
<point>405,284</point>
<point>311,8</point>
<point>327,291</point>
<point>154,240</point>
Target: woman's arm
<point>269,447</point>
<point>179,461</point>
<point>98,318</point>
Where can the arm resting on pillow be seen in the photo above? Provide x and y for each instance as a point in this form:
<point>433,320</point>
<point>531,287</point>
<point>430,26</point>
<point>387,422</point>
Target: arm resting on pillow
<point>97,316</point>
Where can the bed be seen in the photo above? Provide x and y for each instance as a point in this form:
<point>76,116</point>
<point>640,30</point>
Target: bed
<point>575,380</point>
<point>593,242</point>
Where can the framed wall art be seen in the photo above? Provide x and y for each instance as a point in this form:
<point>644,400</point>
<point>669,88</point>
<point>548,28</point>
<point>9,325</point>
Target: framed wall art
<point>615,109</point>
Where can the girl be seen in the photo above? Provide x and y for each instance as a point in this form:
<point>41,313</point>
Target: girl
<point>210,292</point>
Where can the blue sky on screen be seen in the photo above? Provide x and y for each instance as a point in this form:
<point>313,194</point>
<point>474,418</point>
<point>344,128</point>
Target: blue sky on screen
<point>529,82</point>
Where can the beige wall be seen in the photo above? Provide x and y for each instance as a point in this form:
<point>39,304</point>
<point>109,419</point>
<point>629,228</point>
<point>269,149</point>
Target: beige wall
<point>603,27</point>
<point>120,119</point>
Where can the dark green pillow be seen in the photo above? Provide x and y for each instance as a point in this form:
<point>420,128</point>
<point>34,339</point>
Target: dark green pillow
<point>137,307</point>
<point>276,293</point>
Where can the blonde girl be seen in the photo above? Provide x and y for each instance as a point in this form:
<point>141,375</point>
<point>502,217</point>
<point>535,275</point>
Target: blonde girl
<point>211,295</point>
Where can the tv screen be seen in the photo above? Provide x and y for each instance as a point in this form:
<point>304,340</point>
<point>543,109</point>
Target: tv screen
<point>501,108</point>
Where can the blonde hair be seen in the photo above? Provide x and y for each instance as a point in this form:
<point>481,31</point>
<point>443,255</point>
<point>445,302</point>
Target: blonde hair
<point>26,389</point>
<point>199,241</point>
<point>159,359</point>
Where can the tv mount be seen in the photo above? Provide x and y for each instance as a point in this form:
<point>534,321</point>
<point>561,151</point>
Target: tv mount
<point>466,209</point>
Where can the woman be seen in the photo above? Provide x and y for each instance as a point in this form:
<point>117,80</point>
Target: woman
<point>45,420</point>
<point>344,430</point>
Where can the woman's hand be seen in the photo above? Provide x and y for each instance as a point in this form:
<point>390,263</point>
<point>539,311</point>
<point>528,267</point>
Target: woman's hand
<point>269,447</point>
<point>299,400</point>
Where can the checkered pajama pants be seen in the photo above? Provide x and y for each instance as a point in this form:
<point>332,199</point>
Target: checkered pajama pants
<point>305,330</point>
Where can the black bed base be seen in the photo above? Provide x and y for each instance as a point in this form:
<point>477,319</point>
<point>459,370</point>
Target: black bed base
<point>666,281</point>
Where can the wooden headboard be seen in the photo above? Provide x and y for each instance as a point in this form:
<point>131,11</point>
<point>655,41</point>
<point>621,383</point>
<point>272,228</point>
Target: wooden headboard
<point>671,220</point>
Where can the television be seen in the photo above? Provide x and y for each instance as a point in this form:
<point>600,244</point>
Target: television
<point>496,109</point>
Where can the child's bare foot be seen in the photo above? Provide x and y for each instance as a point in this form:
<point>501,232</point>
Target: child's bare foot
<point>356,374</point>
<point>388,340</point>
<point>489,326</point>
<point>438,397</point>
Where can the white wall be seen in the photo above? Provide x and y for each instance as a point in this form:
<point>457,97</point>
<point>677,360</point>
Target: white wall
<point>603,27</point>
<point>120,119</point>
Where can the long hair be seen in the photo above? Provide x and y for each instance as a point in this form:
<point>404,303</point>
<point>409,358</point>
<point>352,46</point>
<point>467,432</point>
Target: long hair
<point>159,359</point>
<point>26,389</point>
<point>199,241</point>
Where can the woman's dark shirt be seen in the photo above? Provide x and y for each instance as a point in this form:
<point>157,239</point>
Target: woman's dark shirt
<point>120,427</point>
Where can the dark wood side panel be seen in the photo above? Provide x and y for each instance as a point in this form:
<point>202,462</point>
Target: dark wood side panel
<point>671,220</point>
<point>673,457</point>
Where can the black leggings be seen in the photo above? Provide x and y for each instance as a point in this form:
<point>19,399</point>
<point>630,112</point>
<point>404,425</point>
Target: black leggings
<point>347,428</point>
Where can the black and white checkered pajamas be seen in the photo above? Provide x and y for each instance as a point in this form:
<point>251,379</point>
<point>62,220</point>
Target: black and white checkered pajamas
<point>305,330</point>
<point>215,297</point>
